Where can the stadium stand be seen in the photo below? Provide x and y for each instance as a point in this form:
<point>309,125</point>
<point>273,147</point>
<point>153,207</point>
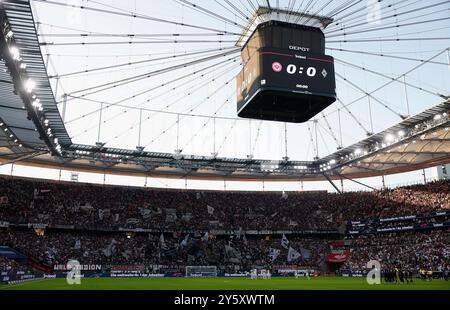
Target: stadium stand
<point>53,222</point>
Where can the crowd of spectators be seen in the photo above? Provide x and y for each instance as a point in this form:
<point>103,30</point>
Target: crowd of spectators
<point>94,206</point>
<point>410,251</point>
<point>146,249</point>
<point>7,265</point>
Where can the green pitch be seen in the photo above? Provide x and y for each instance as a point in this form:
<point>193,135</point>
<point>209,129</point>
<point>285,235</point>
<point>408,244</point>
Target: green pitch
<point>321,283</point>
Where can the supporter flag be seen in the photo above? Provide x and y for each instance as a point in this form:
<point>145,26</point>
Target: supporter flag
<point>103,212</point>
<point>293,255</point>
<point>274,253</point>
<point>205,238</point>
<point>145,213</point>
<point>239,233</point>
<point>306,254</point>
<point>245,240</point>
<point>184,243</point>
<point>110,249</point>
<point>162,242</point>
<point>77,245</point>
<point>40,193</point>
<point>285,242</point>
<point>293,223</point>
<point>210,210</point>
<point>330,218</point>
<point>232,254</point>
<point>4,200</point>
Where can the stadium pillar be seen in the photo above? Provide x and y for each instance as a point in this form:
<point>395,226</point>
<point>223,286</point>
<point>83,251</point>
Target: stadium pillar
<point>12,169</point>
<point>140,127</point>
<point>317,140</point>
<point>100,122</point>
<point>406,96</point>
<point>357,182</point>
<point>448,57</point>
<point>332,183</point>
<point>64,108</point>
<point>342,185</point>
<point>424,177</point>
<point>56,89</point>
<point>383,181</point>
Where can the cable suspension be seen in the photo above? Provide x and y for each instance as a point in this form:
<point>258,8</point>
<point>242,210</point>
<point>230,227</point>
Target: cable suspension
<point>388,27</point>
<point>392,81</point>
<point>345,107</point>
<point>390,40</point>
<point>133,35</point>
<point>138,62</point>
<point>133,42</point>
<point>208,120</point>
<point>208,12</point>
<point>390,78</point>
<point>129,80</point>
<point>342,9</point>
<point>258,131</point>
<point>367,94</point>
<point>191,110</point>
<point>316,152</point>
<point>384,55</point>
<point>214,69</point>
<point>237,9</point>
<point>233,125</point>
<point>396,15</point>
<point>331,131</point>
<point>363,17</point>
<point>176,113</point>
<point>245,18</point>
<point>132,15</point>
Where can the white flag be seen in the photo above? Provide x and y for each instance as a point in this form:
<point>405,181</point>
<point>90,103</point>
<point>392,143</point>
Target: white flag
<point>110,249</point>
<point>274,253</point>
<point>162,242</point>
<point>184,243</point>
<point>77,245</point>
<point>239,233</point>
<point>210,210</point>
<point>293,255</point>
<point>205,238</point>
<point>245,240</point>
<point>285,242</point>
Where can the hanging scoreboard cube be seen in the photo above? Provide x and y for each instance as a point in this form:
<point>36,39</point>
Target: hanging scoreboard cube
<point>286,75</point>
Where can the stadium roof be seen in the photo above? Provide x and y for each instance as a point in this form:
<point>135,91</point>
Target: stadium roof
<point>37,136</point>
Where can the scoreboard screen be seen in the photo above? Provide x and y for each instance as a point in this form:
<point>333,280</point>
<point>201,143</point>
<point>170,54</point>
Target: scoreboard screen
<point>305,73</point>
<point>285,85</point>
<point>286,75</point>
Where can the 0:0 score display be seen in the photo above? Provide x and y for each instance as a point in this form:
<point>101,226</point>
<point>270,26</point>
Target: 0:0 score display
<point>292,69</point>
